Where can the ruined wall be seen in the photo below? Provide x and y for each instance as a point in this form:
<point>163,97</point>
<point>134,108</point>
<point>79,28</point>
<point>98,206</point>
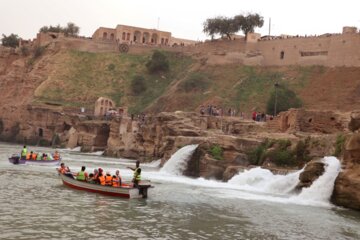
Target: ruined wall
<point>295,120</point>
<point>329,50</point>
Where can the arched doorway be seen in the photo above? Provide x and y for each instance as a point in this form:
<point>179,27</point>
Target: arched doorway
<point>41,132</point>
<point>146,37</point>
<point>105,35</point>
<point>154,38</point>
<point>137,36</point>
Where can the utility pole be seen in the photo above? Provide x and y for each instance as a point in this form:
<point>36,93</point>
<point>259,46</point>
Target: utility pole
<point>269,26</point>
<point>276,85</point>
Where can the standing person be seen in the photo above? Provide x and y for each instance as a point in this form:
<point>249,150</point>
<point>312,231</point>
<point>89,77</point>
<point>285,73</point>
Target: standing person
<point>23,152</point>
<point>137,173</point>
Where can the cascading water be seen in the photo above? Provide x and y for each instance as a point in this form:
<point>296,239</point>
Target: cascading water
<point>257,183</point>
<point>262,180</point>
<point>320,191</point>
<point>178,161</point>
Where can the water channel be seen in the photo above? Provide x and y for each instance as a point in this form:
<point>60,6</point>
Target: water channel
<point>253,205</point>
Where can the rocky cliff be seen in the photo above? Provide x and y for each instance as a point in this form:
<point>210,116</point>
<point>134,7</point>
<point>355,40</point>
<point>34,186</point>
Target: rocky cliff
<point>347,185</point>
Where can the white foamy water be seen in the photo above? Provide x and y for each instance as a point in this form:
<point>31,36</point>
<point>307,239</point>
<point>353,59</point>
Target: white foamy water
<point>178,161</point>
<point>320,191</point>
<point>257,183</point>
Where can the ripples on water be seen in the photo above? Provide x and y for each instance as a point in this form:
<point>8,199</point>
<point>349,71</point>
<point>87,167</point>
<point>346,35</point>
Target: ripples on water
<point>35,205</point>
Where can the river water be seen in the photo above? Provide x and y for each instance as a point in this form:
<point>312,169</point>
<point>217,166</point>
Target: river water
<point>253,205</point>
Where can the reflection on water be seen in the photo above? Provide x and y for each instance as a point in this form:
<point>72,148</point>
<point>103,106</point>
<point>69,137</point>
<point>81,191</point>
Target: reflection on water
<point>35,205</point>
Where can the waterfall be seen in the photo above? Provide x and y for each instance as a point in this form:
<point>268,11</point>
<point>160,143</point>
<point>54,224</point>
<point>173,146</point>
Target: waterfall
<point>178,161</point>
<point>321,189</point>
<point>263,180</point>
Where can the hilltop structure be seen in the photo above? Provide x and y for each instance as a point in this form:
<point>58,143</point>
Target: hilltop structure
<point>138,35</point>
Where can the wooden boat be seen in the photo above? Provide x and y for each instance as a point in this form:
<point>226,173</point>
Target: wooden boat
<point>125,191</point>
<point>15,159</point>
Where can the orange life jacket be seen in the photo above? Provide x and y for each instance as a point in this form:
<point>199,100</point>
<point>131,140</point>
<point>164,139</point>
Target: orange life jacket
<point>34,155</point>
<point>115,182</point>
<point>102,180</point>
<point>28,156</point>
<point>56,156</point>
<point>108,180</point>
<point>62,170</point>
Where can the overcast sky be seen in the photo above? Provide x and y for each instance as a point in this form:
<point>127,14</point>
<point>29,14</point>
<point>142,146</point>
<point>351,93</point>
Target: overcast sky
<point>183,18</point>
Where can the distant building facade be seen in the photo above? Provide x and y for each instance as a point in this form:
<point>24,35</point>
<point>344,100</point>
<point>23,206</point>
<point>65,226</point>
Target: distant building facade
<point>138,35</point>
<point>103,105</point>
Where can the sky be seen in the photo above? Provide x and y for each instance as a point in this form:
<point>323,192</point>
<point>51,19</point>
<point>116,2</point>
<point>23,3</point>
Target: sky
<point>183,18</point>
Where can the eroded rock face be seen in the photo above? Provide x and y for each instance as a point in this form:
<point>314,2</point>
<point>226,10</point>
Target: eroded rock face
<point>347,184</point>
<point>354,123</point>
<point>313,170</point>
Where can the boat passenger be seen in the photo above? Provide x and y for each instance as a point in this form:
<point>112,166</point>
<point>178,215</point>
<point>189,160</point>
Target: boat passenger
<point>101,179</point>
<point>44,157</point>
<point>49,157</point>
<point>108,179</point>
<point>39,156</point>
<point>34,155</point>
<point>82,175</point>
<point>116,179</point>
<point>91,179</point>
<point>96,176</point>
<point>62,168</point>
<point>56,155</point>
<point>24,152</point>
<point>29,155</point>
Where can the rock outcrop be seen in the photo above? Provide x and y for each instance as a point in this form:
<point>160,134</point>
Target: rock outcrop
<point>347,185</point>
<point>313,170</point>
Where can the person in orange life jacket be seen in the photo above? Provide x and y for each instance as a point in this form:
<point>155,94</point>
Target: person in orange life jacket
<point>101,179</point>
<point>56,155</point>
<point>82,175</point>
<point>108,179</point>
<point>116,180</point>
<point>62,168</point>
<point>34,156</point>
<point>29,155</point>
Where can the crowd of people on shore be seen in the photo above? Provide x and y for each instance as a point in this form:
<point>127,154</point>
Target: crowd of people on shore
<point>211,110</point>
<point>25,154</point>
<point>98,176</point>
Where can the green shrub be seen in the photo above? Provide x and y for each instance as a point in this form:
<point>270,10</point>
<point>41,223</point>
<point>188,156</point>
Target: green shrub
<point>24,51</point>
<point>339,145</point>
<point>196,81</point>
<point>138,85</point>
<point>111,67</point>
<point>158,63</point>
<point>10,41</point>
<point>285,99</point>
<point>301,150</point>
<point>216,152</point>
<point>256,155</point>
<point>281,157</point>
<point>38,51</point>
